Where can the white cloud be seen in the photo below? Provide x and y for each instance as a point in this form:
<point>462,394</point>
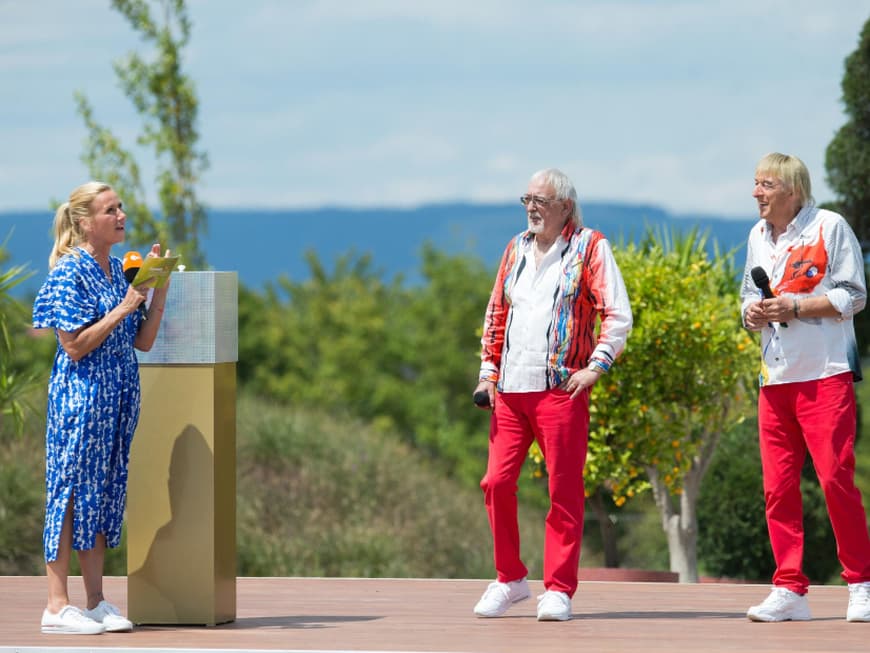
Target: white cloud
<point>504,163</point>
<point>326,101</point>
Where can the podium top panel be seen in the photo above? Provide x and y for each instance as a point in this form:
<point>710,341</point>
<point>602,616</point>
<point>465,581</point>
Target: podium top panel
<point>201,321</point>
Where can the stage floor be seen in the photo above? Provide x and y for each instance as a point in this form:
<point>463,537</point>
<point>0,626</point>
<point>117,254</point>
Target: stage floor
<point>425,615</point>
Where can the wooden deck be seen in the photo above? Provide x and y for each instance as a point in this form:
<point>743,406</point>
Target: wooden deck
<point>410,615</point>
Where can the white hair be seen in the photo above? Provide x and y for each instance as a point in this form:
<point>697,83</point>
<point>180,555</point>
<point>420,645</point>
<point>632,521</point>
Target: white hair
<point>564,190</point>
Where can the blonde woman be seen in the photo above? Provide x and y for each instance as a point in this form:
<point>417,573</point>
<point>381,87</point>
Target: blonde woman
<point>93,400</point>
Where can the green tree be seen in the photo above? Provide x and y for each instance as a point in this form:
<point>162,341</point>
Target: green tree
<point>442,324</point>
<point>685,377</point>
<point>325,341</point>
<point>165,98</point>
<point>405,358</point>
<point>847,159</point>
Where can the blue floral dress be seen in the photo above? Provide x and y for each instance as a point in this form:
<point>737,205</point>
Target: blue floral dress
<point>93,404</point>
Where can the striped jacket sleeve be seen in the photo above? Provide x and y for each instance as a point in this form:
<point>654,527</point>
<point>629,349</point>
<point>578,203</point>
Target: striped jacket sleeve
<point>495,319</point>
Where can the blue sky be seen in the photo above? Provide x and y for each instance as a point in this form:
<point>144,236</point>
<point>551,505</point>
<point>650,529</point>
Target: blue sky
<point>404,102</point>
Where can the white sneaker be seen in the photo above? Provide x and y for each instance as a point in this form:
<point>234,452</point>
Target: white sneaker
<point>554,606</point>
<point>781,605</point>
<point>111,617</point>
<point>859,602</point>
<point>498,597</point>
<point>70,621</point>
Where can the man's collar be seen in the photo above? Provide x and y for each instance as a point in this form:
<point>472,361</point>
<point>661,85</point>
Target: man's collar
<point>570,229</point>
<point>798,222</point>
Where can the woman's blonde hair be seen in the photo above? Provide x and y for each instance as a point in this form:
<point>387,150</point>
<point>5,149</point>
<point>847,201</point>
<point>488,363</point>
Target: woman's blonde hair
<point>68,232</point>
<point>791,171</point>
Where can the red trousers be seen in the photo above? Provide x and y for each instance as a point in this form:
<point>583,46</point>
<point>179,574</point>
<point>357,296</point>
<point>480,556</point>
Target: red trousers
<point>561,427</point>
<point>819,417</point>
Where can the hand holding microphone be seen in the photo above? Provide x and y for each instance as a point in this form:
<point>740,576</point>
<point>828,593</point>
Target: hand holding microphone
<point>132,263</point>
<point>762,282</point>
<point>481,399</point>
<point>482,396</point>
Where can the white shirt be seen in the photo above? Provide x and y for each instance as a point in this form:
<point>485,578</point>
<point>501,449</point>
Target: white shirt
<point>817,254</point>
<point>524,368</point>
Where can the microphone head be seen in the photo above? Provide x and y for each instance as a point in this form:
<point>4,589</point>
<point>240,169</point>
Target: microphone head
<point>759,277</point>
<point>132,263</point>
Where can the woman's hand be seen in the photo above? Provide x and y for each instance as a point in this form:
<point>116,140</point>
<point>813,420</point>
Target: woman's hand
<point>155,253</point>
<point>148,330</point>
<point>134,297</point>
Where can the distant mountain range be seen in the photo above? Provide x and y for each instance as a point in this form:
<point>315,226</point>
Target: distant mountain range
<point>261,245</point>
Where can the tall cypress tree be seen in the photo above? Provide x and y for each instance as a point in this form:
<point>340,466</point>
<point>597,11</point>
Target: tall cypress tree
<point>847,159</point>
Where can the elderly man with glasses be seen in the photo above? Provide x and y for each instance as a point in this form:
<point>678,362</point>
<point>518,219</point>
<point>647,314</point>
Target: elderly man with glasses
<point>540,357</point>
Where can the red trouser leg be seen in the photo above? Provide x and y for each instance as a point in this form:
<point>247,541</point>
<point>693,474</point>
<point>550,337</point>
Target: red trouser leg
<point>561,427</point>
<point>818,416</point>
<point>829,419</point>
<point>563,438</point>
<point>510,436</point>
<point>782,455</point>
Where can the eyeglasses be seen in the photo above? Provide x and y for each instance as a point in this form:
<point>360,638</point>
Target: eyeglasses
<point>543,202</point>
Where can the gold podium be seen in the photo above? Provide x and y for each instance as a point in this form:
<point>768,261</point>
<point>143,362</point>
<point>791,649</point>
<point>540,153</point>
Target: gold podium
<point>181,495</point>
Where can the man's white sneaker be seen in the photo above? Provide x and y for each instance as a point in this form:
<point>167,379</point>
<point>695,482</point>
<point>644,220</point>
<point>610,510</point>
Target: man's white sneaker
<point>781,605</point>
<point>498,597</point>
<point>70,621</point>
<point>859,602</point>
<point>111,617</point>
<point>554,606</point>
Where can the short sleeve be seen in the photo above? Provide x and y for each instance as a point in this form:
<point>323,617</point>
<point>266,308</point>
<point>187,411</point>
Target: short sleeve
<point>63,302</point>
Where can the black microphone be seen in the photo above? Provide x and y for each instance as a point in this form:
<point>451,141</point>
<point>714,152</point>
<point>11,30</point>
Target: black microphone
<point>762,282</point>
<point>132,263</point>
<point>481,398</point>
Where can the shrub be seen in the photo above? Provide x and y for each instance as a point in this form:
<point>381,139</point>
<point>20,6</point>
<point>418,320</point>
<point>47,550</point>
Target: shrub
<point>733,540</point>
<point>322,496</point>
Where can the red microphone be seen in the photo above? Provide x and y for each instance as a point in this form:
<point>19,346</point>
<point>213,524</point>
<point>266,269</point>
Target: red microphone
<point>132,263</point>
